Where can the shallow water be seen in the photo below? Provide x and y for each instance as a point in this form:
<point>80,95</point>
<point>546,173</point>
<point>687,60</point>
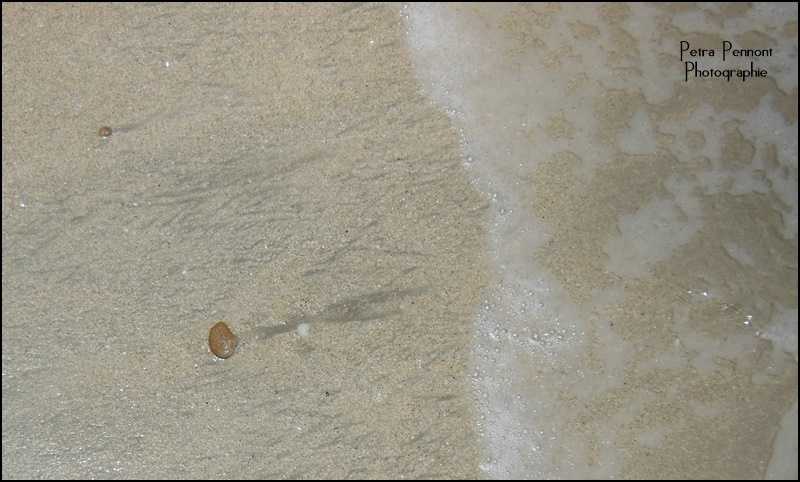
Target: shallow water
<point>641,320</point>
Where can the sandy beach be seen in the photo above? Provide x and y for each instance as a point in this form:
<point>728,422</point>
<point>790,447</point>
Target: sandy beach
<point>296,172</point>
<point>269,166</point>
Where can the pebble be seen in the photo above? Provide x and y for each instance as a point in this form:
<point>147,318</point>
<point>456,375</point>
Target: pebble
<point>221,341</point>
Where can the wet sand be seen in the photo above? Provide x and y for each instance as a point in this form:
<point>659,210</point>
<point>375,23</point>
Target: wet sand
<point>276,167</point>
<point>269,166</point>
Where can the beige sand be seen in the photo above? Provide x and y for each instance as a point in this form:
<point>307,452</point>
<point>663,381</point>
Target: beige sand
<point>270,165</point>
<point>276,167</point>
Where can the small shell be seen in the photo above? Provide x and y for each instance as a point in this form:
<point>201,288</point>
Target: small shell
<point>221,341</point>
<point>105,131</point>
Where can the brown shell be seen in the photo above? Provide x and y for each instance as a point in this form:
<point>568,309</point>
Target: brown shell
<point>105,131</point>
<point>221,341</point>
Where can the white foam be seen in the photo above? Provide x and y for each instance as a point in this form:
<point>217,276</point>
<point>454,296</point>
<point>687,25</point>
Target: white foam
<point>783,464</point>
<point>518,108</point>
<point>782,329</point>
<point>530,334</point>
<point>648,236</point>
<point>303,329</point>
<point>639,138</point>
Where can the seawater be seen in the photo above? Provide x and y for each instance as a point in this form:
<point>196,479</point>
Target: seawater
<point>633,211</point>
